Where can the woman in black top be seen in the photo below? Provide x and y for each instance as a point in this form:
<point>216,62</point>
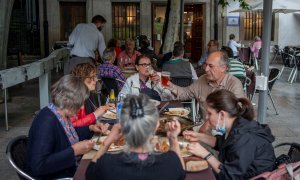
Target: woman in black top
<point>139,120</point>
<point>245,146</point>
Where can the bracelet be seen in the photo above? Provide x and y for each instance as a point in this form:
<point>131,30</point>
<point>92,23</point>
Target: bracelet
<point>208,156</point>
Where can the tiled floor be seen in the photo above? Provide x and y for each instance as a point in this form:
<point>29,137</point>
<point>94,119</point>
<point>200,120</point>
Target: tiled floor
<point>25,102</point>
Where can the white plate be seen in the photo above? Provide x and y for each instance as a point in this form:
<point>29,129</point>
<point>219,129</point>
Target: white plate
<point>155,102</point>
<point>112,147</point>
<point>177,112</point>
<point>110,115</point>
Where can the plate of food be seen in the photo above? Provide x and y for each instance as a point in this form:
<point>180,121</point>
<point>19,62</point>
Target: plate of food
<point>162,144</point>
<point>177,112</point>
<point>116,146</point>
<point>111,114</point>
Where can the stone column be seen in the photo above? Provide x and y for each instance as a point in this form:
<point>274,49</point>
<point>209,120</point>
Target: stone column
<point>5,14</point>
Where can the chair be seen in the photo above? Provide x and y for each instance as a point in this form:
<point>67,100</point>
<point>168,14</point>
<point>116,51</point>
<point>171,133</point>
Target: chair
<point>277,52</point>
<point>294,151</point>
<point>16,152</point>
<point>109,84</point>
<point>273,76</point>
<point>184,82</point>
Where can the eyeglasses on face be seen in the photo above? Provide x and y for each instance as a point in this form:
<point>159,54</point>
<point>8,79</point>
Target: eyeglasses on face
<point>145,64</point>
<point>93,78</point>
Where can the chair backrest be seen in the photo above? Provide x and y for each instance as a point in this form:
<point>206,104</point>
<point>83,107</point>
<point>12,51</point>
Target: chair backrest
<point>16,152</point>
<point>109,84</point>
<point>273,76</point>
<point>182,81</point>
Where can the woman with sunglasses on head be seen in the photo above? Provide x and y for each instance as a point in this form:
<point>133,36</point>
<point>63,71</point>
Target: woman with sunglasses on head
<point>244,145</point>
<point>89,112</point>
<point>146,81</point>
<point>139,121</point>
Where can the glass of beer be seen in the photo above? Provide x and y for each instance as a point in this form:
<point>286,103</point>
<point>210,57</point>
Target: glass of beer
<point>165,78</point>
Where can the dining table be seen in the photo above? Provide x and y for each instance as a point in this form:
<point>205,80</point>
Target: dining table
<point>206,174</point>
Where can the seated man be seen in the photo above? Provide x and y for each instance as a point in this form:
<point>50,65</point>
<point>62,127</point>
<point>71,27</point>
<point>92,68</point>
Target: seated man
<point>179,67</point>
<point>216,77</point>
<point>236,68</point>
<point>128,56</point>
<point>109,70</point>
<point>213,45</point>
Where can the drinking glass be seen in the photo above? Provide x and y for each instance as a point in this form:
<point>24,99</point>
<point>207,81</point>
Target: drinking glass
<point>165,78</point>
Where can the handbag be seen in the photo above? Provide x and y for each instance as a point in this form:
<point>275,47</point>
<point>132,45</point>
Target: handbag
<point>289,171</point>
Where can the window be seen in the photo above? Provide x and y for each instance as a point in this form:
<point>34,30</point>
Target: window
<point>253,25</point>
<point>125,20</point>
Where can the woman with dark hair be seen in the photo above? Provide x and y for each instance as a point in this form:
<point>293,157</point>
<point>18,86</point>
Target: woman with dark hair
<point>55,146</point>
<point>146,81</point>
<point>245,146</point>
<point>139,120</point>
<point>115,43</point>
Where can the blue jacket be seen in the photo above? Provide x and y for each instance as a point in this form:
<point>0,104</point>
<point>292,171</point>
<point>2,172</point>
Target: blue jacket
<point>50,154</point>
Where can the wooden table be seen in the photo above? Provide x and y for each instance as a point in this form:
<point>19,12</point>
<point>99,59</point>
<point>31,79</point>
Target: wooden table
<point>206,174</point>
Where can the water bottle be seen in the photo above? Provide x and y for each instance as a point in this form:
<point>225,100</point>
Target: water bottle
<point>119,106</point>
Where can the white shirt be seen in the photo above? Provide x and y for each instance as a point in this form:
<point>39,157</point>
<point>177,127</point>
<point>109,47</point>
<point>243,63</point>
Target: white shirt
<point>86,39</point>
<point>234,45</point>
<point>132,86</point>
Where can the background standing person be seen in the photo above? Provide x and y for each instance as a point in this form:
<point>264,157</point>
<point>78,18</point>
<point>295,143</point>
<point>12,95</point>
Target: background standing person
<point>245,146</point>
<point>234,45</point>
<point>54,145</point>
<point>138,160</point>
<point>85,40</point>
<point>255,46</point>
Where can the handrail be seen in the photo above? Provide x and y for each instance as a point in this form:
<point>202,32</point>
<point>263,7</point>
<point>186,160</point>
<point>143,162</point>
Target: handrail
<point>38,69</point>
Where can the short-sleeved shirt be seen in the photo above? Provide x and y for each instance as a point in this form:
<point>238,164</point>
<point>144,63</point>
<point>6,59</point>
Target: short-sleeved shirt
<point>236,68</point>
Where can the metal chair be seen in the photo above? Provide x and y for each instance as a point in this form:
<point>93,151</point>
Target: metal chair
<point>277,52</point>
<point>273,76</point>
<point>16,152</point>
<point>184,82</point>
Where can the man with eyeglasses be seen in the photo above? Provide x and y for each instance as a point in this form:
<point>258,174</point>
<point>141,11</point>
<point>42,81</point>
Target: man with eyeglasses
<point>216,78</point>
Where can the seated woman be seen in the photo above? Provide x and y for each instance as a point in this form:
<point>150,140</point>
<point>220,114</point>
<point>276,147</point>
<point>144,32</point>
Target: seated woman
<point>245,146</point>
<point>144,82</point>
<point>88,113</point>
<point>55,146</point>
<point>139,120</point>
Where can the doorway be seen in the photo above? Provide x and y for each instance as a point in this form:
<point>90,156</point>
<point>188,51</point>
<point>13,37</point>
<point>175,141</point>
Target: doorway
<point>193,28</point>
<point>71,14</point>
